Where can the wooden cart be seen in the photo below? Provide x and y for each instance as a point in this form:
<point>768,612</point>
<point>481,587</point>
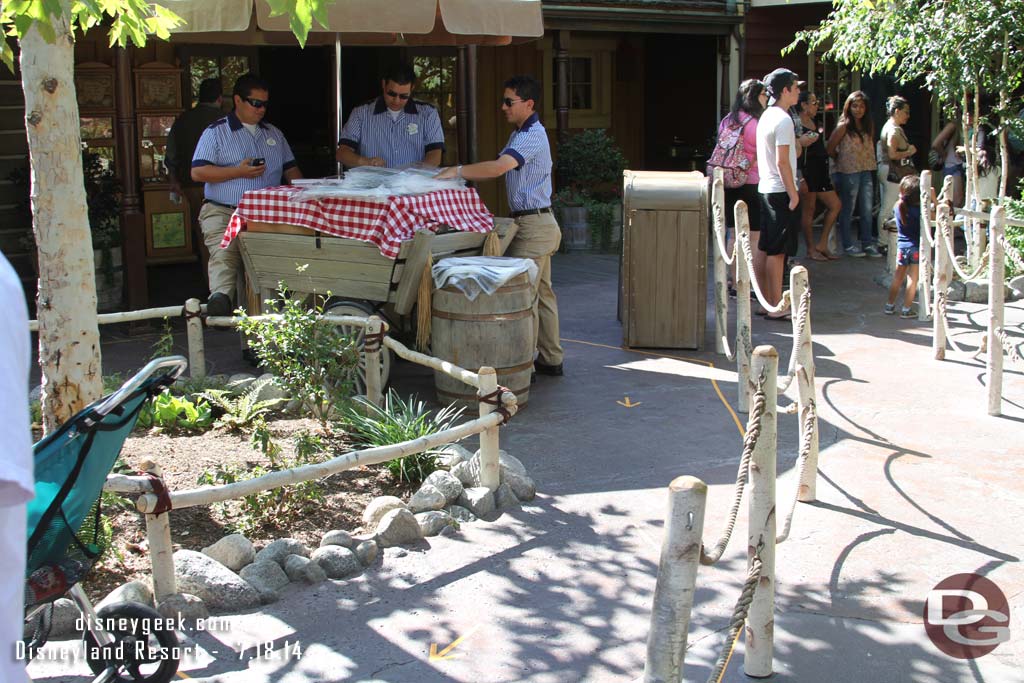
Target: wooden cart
<point>360,279</point>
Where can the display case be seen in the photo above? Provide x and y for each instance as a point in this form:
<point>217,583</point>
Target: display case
<point>832,83</point>
<point>94,85</point>
<point>158,102</point>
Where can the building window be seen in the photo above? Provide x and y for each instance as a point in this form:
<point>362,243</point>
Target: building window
<point>227,68</point>
<point>591,75</point>
<point>435,84</point>
<point>832,83</point>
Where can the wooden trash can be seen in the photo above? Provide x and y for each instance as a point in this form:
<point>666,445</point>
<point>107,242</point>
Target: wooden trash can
<point>494,330</point>
<point>663,275</point>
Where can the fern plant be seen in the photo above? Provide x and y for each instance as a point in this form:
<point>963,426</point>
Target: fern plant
<point>397,421</point>
<point>242,409</point>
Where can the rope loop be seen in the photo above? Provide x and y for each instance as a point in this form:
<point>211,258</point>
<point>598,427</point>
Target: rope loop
<point>494,399</point>
<point>163,496</point>
<point>373,341</point>
<point>189,316</point>
<point>739,615</point>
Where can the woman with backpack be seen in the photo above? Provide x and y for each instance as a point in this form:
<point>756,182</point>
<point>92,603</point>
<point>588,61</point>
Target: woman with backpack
<point>736,153</point>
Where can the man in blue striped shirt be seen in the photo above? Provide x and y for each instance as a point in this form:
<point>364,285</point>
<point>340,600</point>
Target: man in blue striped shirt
<point>236,153</point>
<point>393,130</point>
<point>526,164</point>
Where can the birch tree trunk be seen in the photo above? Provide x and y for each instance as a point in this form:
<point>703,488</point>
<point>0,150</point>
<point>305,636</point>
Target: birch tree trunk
<point>69,345</point>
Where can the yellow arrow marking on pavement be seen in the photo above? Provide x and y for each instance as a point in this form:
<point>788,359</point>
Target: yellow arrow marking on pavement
<point>628,403</point>
<point>443,654</point>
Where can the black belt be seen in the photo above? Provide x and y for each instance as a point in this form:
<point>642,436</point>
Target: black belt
<point>531,212</point>
<point>226,206</point>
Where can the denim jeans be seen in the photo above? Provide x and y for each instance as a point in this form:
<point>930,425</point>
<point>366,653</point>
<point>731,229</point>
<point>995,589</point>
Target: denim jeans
<point>855,189</point>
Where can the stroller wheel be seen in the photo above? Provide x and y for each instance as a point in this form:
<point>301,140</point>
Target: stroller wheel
<point>140,651</point>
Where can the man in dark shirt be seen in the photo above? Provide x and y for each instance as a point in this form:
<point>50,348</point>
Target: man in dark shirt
<point>182,140</point>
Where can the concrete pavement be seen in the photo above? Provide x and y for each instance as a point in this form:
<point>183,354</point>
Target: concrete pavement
<point>916,483</point>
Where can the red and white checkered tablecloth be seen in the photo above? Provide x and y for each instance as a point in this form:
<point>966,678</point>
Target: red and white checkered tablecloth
<point>386,222</point>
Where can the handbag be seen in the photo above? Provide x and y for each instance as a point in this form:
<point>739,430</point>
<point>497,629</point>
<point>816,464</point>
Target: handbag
<point>901,168</point>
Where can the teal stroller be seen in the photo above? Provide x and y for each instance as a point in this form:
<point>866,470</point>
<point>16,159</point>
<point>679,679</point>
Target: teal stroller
<point>125,642</point>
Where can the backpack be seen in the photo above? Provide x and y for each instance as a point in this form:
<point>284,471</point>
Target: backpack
<point>729,152</point>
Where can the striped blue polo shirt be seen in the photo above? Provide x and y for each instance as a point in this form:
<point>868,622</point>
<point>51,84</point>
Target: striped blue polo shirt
<point>227,142</point>
<point>529,184</point>
<point>371,132</point>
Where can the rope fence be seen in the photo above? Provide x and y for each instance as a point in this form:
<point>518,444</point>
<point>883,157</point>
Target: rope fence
<point>155,500</point>
<point>996,344</point>
<point>683,550</point>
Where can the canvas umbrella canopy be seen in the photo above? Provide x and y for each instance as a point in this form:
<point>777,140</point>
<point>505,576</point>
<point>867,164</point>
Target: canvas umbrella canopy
<point>362,22</point>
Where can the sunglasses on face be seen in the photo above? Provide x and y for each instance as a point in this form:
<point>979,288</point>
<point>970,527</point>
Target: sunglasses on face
<point>403,96</point>
<point>508,101</point>
<point>256,103</point>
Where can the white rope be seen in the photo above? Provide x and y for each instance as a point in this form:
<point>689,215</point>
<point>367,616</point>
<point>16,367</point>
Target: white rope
<point>1011,253</point>
<point>739,615</point>
<point>941,306</point>
<point>784,304</point>
<point>1008,347</point>
<point>806,435</point>
<point>803,312</point>
<point>948,244</point>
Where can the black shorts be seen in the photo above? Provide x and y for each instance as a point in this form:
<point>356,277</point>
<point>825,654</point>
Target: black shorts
<point>817,179</point>
<point>780,227</point>
<point>751,196</point>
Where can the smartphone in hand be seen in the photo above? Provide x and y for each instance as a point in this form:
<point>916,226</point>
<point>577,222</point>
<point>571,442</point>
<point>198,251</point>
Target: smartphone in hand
<point>258,161</point>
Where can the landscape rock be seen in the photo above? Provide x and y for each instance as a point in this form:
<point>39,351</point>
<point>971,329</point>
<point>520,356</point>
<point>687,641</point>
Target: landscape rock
<point>432,522</point>
<point>133,591</point>
<point>212,582</point>
<point>234,551</point>
<point>397,527</point>
<point>427,498</point>
<point>337,562</point>
<point>302,569</point>
<point>1017,285</point>
<point>446,483</point>
<point>467,473</point>
<point>36,394</point>
<point>267,577</point>
<point>183,606</point>
<point>367,552</point>
<point>271,390</point>
<point>957,291</point>
<point>976,291</point>
<point>505,497</point>
<point>65,622</point>
<point>521,484</point>
<point>452,454</point>
<point>379,507</point>
<point>338,537</point>
<point>449,531</point>
<point>460,514</point>
<point>477,499</point>
<point>277,550</point>
<point>240,382</point>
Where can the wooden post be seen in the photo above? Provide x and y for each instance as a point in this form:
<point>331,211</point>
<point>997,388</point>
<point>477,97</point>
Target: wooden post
<point>720,268</point>
<point>472,103</point>
<point>760,633</point>
<point>562,77</point>
<point>942,269</point>
<point>994,361</point>
<point>743,342</point>
<point>133,220</point>
<point>490,470</point>
<point>805,382</point>
<point>924,296</point>
<point>371,354</point>
<point>462,103</point>
<point>677,580</point>
<point>158,533</point>
<point>196,348</point>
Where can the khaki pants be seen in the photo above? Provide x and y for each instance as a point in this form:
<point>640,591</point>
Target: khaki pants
<point>224,265</point>
<point>538,238</point>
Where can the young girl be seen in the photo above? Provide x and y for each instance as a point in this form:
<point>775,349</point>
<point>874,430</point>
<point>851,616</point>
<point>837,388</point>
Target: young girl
<point>907,213</point>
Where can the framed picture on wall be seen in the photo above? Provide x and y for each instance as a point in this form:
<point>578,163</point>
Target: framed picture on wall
<point>94,85</point>
<point>168,228</point>
<point>157,88</point>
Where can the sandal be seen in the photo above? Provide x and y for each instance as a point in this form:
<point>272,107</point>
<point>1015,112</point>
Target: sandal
<point>818,256</point>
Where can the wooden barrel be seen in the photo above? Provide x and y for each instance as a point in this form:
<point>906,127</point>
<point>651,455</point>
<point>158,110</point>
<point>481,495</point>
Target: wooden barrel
<point>575,229</point>
<point>494,330</point>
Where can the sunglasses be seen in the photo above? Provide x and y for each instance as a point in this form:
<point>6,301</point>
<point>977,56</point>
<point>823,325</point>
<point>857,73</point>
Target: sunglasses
<point>258,104</point>
<point>508,101</point>
<point>403,96</point>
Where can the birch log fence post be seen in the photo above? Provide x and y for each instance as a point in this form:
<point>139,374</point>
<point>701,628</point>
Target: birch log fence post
<point>490,471</point>
<point>760,633</point>
<point>805,382</point>
<point>744,345</point>
<point>942,272</point>
<point>158,533</point>
<point>196,347</point>
<point>677,580</point>
<point>994,361</point>
<point>720,267</point>
<point>924,296</point>
<point>372,345</point>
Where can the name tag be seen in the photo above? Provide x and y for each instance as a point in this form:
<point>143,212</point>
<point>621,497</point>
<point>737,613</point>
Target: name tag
<point>271,142</point>
<point>412,129</point>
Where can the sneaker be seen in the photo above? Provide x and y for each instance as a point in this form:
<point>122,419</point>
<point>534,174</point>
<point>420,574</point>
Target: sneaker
<point>550,370</point>
<point>855,252</point>
<point>218,304</point>
<point>908,312</point>
<point>872,251</point>
<point>890,309</point>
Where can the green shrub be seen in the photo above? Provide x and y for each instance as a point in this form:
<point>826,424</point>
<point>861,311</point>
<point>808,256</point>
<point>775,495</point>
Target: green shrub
<point>601,217</point>
<point>312,360</point>
<point>591,161</point>
<point>240,410</point>
<point>167,411</point>
<point>1014,234</point>
<point>397,421</point>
